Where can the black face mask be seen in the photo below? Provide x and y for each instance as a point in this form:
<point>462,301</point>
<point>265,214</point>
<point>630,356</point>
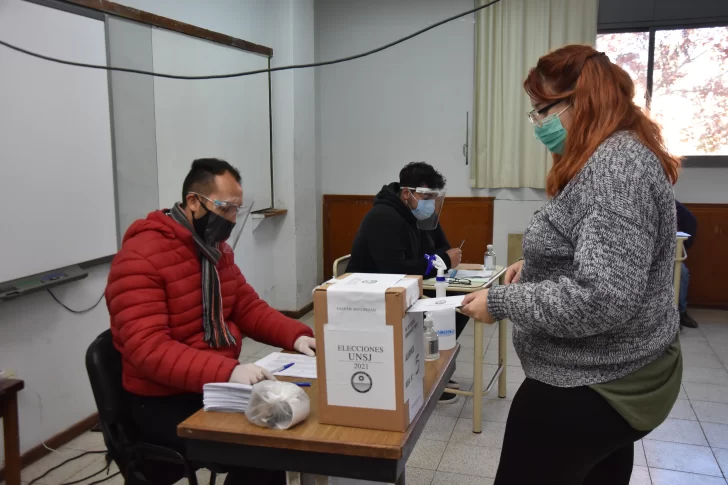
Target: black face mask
<point>212,228</point>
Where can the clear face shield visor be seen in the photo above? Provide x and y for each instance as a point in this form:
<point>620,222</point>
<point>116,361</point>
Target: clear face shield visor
<point>223,214</point>
<point>429,206</point>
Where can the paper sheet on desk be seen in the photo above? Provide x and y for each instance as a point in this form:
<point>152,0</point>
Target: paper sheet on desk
<point>304,366</point>
<point>471,273</point>
<point>432,304</point>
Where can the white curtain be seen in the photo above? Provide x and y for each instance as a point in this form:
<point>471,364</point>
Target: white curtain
<point>510,37</point>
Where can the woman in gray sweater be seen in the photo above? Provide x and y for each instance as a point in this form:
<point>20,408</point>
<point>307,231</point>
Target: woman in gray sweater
<point>592,302</point>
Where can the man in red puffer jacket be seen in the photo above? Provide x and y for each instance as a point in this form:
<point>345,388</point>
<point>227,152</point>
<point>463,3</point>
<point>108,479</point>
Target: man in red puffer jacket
<point>180,309</point>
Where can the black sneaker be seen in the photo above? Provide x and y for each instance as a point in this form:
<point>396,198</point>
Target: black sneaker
<point>453,384</point>
<point>687,321</point>
<point>447,398</point>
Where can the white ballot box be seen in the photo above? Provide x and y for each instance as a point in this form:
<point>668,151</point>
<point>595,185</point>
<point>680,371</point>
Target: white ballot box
<point>370,352</point>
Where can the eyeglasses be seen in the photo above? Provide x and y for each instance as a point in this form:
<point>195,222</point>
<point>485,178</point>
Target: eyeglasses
<point>536,116</point>
<point>224,207</point>
<point>459,281</point>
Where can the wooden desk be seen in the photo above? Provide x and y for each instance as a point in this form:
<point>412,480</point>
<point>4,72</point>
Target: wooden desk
<point>311,447</point>
<point>9,389</point>
<point>500,372</point>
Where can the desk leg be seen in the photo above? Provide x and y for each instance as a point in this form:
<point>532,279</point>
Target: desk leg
<point>478,378</point>
<point>12,440</point>
<point>401,479</point>
<point>503,356</point>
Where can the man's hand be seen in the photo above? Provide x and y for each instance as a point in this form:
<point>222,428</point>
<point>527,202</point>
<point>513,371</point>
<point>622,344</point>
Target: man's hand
<point>250,374</point>
<point>455,256</point>
<point>476,305</point>
<point>513,273</point>
<point>306,346</point>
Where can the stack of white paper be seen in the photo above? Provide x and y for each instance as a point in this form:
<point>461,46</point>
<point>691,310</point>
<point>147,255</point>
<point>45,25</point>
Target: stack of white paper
<point>226,396</point>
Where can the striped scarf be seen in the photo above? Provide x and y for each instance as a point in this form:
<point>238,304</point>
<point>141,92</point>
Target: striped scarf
<point>217,333</point>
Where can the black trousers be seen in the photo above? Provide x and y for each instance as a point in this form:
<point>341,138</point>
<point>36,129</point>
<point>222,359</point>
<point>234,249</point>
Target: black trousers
<point>156,420</point>
<point>565,436</point>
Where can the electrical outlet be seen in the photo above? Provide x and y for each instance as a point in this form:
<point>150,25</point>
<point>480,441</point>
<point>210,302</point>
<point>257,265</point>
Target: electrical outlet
<point>7,373</point>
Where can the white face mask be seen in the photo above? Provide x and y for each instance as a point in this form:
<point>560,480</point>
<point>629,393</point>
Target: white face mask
<point>424,210</point>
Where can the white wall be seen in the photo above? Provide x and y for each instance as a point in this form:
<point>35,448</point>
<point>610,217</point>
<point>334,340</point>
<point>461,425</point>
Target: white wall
<point>46,345</point>
<point>407,103</point>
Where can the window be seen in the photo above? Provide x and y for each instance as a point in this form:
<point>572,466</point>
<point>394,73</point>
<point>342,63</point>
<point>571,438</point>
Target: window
<point>688,85</point>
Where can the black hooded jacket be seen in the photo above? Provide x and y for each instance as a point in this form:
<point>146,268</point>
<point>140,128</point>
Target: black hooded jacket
<point>388,240</point>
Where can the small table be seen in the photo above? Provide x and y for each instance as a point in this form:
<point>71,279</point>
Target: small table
<point>311,447</point>
<point>9,389</point>
<point>500,373</point>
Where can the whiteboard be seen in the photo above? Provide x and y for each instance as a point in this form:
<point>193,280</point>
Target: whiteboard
<point>57,181</point>
<point>224,118</point>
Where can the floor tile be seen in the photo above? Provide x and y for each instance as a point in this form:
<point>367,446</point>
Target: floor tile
<point>722,456</point>
<point>427,454</point>
<point>439,428</point>
<point>717,434</point>
<point>682,394</point>
<point>453,410</point>
<point>705,375</point>
<point>91,474</point>
<point>711,412</point>
<point>443,478</point>
<point>679,431</point>
<point>695,346</point>
<point>670,477</point>
<point>493,410</point>
<point>700,359</point>
<point>691,334</point>
<point>416,476</point>
<point>61,474</point>
<point>640,476</point>
<point>491,435</point>
<point>474,460</point>
<point>706,392</point>
<point>682,410</point>
<point>251,347</point>
<point>680,457</point>
<point>639,454</point>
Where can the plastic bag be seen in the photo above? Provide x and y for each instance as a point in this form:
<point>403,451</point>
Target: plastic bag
<point>277,405</point>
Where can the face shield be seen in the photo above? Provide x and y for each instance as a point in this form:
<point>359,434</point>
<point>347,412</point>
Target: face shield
<point>429,206</point>
<point>224,222</point>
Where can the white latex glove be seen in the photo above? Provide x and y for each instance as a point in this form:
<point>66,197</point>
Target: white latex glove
<point>306,346</point>
<point>250,374</point>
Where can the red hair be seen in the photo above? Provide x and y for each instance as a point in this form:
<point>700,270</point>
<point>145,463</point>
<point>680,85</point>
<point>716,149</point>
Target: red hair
<point>601,95</point>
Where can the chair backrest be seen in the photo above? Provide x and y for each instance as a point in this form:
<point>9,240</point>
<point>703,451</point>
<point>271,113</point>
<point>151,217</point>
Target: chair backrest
<point>103,364</point>
<point>340,265</point>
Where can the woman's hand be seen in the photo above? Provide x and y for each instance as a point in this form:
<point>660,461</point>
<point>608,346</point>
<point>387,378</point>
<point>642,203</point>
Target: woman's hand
<point>476,305</point>
<point>513,273</point>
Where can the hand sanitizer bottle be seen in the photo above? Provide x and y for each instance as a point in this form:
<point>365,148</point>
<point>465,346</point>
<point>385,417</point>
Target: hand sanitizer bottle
<point>432,342</point>
<point>489,262</point>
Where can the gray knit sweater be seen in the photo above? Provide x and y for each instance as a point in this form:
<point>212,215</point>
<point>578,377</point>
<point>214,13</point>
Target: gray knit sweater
<point>595,299</point>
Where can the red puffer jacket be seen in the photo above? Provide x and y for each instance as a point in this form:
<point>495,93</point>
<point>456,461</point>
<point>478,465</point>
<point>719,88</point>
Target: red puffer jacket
<point>154,295</point>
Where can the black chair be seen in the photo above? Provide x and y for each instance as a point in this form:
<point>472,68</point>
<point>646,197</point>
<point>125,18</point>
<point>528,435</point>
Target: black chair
<point>103,364</point>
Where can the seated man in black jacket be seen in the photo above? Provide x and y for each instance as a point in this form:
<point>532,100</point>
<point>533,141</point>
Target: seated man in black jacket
<point>389,240</point>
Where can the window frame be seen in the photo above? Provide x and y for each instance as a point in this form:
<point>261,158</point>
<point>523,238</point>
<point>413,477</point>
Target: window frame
<point>697,161</point>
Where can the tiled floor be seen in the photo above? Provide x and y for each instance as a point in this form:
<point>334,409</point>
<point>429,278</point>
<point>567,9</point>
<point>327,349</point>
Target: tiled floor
<point>690,448</point>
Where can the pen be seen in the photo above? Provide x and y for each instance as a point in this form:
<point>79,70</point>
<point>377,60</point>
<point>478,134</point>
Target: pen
<point>303,384</point>
<point>461,244</point>
<point>282,368</point>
